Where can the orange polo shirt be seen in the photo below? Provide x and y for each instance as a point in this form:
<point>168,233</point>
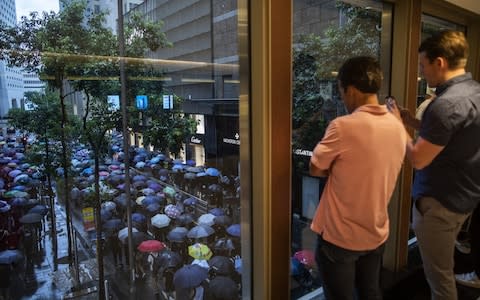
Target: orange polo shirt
<point>363,152</point>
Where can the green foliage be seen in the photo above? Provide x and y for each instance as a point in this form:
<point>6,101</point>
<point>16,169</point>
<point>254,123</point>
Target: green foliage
<point>316,58</point>
<point>168,129</point>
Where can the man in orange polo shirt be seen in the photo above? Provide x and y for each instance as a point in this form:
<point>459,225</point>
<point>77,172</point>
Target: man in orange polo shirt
<point>362,154</point>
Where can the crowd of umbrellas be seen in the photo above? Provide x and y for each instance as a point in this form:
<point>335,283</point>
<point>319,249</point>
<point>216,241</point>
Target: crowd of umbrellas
<point>189,246</point>
<point>21,212</point>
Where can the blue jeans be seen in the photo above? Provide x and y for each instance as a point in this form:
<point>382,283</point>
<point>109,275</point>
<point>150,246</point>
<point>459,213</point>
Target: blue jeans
<point>348,274</point>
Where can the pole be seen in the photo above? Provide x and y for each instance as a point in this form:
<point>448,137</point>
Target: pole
<point>126,142</point>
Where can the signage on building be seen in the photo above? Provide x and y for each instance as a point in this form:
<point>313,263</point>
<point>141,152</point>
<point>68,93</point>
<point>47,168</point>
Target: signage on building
<point>303,152</point>
<point>196,139</point>
<point>88,218</point>
<point>113,102</point>
<point>167,101</point>
<point>141,101</point>
<point>234,141</point>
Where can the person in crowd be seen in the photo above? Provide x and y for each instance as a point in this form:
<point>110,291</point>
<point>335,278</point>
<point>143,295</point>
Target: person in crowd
<point>362,154</point>
<point>114,244</point>
<point>446,156</point>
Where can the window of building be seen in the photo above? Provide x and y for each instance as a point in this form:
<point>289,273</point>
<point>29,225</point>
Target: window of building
<point>326,33</point>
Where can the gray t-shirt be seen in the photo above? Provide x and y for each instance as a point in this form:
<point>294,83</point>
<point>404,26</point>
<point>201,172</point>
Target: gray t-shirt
<point>453,120</point>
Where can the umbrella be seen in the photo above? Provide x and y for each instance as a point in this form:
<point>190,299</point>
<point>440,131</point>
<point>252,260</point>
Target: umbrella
<point>19,202</point>
<point>160,220</point>
<point>156,187</point>
<point>113,224</point>
<point>151,199</point>
<point>200,231</point>
<point>234,230</point>
<point>39,209</point>
<point>206,219</point>
<point>212,172</point>
<point>105,214</point>
<point>222,220</point>
<point>139,218</point>
<point>190,176</point>
<point>22,179</point>
<point>10,256</point>
<point>138,237</point>
<point>222,287</point>
<point>222,265</point>
<point>169,191</point>
<point>172,211</point>
<point>194,169</point>
<point>224,244</point>
<point>217,211</point>
<point>31,218</point>
<point>148,191</point>
<point>190,201</point>
<point>139,200</point>
<point>177,234</point>
<point>306,257</point>
<point>4,206</point>
<point>184,219</point>
<point>169,259</point>
<point>140,178</point>
<point>123,234</point>
<point>151,246</point>
<point>201,262</point>
<point>189,276</point>
<point>152,208</point>
<point>14,173</point>
<point>109,205</point>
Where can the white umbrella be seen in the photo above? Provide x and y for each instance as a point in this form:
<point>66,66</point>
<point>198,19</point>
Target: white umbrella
<point>139,200</point>
<point>160,220</point>
<point>123,233</point>
<point>206,219</point>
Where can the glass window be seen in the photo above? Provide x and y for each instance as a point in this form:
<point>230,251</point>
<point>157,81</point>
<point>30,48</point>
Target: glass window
<point>326,33</point>
<point>181,89</point>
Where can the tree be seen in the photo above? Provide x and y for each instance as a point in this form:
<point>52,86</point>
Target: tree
<point>168,128</point>
<point>316,57</point>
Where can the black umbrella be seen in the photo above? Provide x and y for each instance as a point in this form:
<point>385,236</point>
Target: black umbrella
<point>169,259</point>
<point>222,287</point>
<point>189,276</point>
<point>222,265</point>
<point>138,237</point>
<point>31,218</point>
<point>184,219</point>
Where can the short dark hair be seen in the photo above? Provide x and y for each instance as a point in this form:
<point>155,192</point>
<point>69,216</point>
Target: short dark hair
<point>362,72</point>
<point>449,44</point>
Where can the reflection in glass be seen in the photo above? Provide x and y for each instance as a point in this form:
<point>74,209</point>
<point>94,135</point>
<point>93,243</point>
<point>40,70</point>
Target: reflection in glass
<point>326,33</point>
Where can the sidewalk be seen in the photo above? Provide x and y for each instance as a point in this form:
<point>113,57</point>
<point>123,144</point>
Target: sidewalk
<point>36,278</point>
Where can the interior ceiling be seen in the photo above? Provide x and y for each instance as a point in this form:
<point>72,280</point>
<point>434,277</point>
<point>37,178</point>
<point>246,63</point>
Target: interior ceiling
<point>471,5</point>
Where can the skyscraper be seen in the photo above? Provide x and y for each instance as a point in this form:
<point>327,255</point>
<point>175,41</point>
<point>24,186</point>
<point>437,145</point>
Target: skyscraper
<point>11,78</point>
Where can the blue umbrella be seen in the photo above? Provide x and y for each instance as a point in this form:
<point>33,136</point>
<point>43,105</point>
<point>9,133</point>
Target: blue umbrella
<point>217,211</point>
<point>19,188</point>
<point>200,231</point>
<point>189,276</point>
<point>114,224</point>
<point>153,207</point>
<point>10,256</point>
<point>19,202</point>
<point>4,206</point>
<point>234,230</point>
<point>212,172</point>
<point>39,209</point>
<point>177,234</point>
<point>105,214</point>
<point>140,178</point>
<point>190,201</point>
<point>151,199</point>
<point>139,218</point>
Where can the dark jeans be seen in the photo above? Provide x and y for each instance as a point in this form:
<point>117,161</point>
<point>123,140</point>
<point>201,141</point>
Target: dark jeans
<point>348,274</point>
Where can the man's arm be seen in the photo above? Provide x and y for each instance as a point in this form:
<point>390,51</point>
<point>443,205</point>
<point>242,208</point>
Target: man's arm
<point>314,171</point>
<point>422,152</point>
